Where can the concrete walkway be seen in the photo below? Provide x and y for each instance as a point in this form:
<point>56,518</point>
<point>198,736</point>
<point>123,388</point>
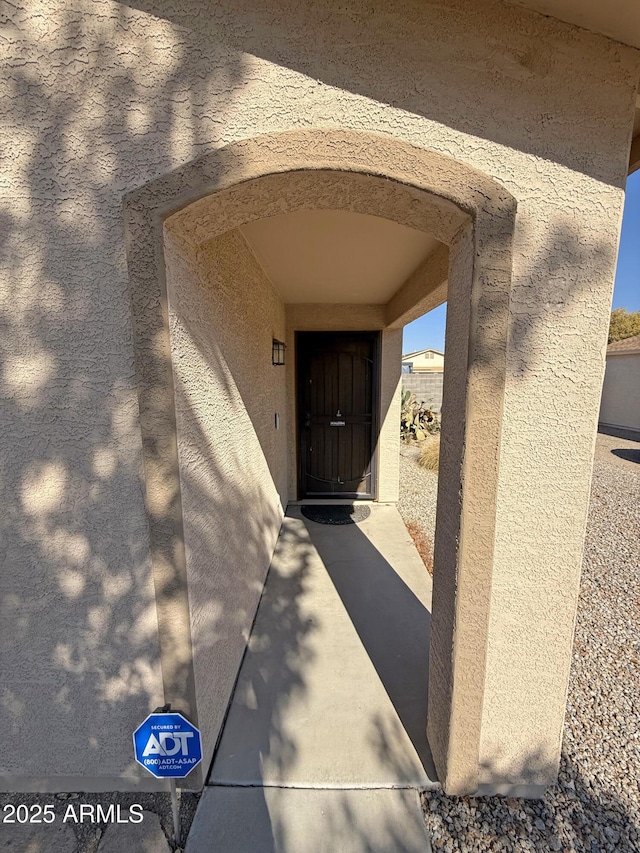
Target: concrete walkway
<point>328,717</point>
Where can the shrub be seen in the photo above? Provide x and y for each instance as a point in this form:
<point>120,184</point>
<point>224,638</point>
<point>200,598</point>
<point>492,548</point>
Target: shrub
<point>430,453</point>
<point>623,324</point>
<point>417,420</point>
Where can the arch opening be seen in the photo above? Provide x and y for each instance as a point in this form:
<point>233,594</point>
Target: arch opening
<point>220,423</point>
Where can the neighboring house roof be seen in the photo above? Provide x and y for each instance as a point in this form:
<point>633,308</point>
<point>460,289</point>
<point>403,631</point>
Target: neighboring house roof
<point>420,352</point>
<point>624,347</point>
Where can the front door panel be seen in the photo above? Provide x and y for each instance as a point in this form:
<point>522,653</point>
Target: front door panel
<point>336,405</point>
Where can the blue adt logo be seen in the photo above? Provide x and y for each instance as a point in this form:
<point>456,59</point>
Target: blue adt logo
<point>167,745</point>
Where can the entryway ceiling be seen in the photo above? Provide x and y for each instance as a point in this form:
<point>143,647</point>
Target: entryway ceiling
<point>618,19</point>
<point>336,256</point>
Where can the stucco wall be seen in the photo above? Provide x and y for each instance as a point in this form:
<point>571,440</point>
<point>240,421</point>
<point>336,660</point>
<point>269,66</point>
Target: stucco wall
<point>390,400</point>
<point>103,97</point>
<point>223,315</point>
<point>620,405</point>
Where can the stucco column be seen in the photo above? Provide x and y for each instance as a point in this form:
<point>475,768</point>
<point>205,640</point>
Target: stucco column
<point>477,333</point>
<point>521,393</point>
<point>390,403</point>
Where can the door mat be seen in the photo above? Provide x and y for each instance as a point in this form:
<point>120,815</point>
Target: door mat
<point>343,514</point>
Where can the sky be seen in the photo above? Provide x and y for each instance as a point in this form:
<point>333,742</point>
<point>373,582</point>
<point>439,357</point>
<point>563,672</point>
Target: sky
<point>428,331</point>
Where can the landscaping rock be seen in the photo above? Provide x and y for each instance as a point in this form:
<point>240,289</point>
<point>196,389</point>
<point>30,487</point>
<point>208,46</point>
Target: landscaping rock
<point>144,837</point>
<point>37,838</point>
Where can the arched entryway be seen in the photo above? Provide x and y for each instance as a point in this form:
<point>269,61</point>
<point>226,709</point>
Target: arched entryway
<point>191,218</point>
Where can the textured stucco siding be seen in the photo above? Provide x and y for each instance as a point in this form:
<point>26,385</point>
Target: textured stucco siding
<point>553,380</point>
<point>388,450</point>
<point>223,315</point>
<point>102,97</point>
<point>620,405</point>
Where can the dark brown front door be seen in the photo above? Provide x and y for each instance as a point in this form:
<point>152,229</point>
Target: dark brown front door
<point>336,404</point>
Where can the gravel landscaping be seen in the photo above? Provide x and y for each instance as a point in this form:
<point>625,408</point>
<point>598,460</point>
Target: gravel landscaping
<point>596,804</point>
<point>418,497</point>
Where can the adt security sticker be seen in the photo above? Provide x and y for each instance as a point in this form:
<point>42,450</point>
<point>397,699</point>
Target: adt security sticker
<point>167,745</point>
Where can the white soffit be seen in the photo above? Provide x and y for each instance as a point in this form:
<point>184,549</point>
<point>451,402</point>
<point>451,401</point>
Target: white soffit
<point>618,19</point>
<point>336,256</point>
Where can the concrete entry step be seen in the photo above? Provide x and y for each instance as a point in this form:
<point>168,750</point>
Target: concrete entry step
<point>295,820</point>
<point>333,689</point>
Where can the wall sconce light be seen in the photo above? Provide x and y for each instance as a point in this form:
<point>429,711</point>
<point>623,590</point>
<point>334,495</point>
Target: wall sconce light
<point>277,352</point>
